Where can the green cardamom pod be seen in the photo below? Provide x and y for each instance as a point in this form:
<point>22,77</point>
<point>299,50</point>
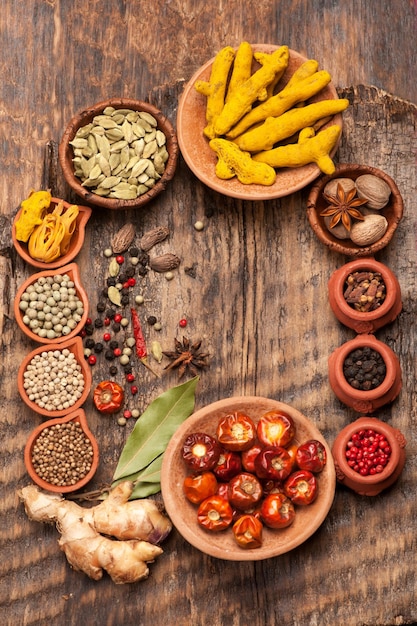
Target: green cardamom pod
<point>114,296</point>
<point>114,268</point>
<point>156,351</point>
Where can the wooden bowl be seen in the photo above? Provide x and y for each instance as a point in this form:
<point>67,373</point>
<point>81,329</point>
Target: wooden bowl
<point>76,244</point>
<point>65,153</point>
<point>73,272</point>
<point>222,544</point>
<point>202,160</point>
<point>76,416</point>
<point>75,345</point>
<point>393,211</point>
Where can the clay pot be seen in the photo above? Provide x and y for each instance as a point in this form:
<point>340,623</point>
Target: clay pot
<point>73,272</point>
<point>77,239</point>
<point>369,485</point>
<point>75,416</point>
<point>365,401</point>
<point>367,322</point>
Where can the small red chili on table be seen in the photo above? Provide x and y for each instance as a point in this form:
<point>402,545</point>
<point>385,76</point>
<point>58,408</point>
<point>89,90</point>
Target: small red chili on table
<point>108,396</point>
<point>141,349</point>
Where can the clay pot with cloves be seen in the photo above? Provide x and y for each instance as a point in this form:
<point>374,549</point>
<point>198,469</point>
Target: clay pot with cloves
<point>356,443</point>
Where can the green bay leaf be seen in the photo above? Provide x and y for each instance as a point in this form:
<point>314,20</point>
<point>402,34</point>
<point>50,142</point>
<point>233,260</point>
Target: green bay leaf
<point>155,427</point>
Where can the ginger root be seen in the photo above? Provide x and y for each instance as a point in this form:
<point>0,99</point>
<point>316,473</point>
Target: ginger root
<point>136,527</point>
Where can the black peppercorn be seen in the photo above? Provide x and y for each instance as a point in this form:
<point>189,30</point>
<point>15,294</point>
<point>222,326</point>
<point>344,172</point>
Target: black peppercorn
<point>98,347</point>
<point>122,278</point>
<point>110,313</point>
<point>112,370</point>
<point>111,281</point>
<point>364,369</point>
<point>89,329</point>
<point>113,344</point>
<point>151,320</point>
<point>101,306</point>
<point>98,323</point>
<point>116,327</point>
<point>89,343</point>
<point>127,368</point>
<point>134,251</point>
<point>142,271</point>
<point>125,300</point>
<point>109,355</point>
<point>130,272</point>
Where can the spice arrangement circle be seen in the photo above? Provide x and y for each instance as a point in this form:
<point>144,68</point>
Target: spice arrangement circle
<point>222,545</point>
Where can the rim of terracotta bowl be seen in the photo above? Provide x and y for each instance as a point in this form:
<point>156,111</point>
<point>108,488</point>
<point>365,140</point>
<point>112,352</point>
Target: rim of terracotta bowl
<point>393,211</point>
<point>362,321</point>
<point>344,436</point>
<point>83,117</point>
<point>391,361</point>
<point>222,545</point>
<point>77,239</point>
<point>74,416</point>
<point>75,345</point>
<point>202,160</point>
<point>73,272</point>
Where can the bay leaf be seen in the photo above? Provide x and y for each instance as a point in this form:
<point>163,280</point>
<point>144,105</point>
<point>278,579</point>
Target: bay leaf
<point>148,481</point>
<point>155,427</point>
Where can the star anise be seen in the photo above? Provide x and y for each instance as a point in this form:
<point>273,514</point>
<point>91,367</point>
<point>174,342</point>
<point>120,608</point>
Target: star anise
<point>342,207</point>
<point>186,357</point>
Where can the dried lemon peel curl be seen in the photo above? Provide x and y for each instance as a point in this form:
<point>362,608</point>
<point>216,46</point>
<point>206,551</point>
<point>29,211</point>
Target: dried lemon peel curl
<point>255,88</point>
<point>233,162</point>
<point>277,105</point>
<point>215,88</point>
<point>311,148</point>
<point>33,210</point>
<point>275,129</point>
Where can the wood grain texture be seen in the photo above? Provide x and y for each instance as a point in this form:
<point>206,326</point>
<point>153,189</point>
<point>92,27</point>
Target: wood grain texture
<point>256,294</point>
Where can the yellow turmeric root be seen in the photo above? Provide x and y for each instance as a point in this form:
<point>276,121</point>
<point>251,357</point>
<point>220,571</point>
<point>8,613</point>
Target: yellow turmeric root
<point>215,88</point>
<point>282,101</point>
<point>311,148</point>
<point>233,162</point>
<point>33,210</point>
<point>251,90</point>
<point>275,129</point>
<point>136,526</point>
<point>242,69</point>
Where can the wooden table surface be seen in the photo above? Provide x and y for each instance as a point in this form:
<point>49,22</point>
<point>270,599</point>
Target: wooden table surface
<point>257,296</point>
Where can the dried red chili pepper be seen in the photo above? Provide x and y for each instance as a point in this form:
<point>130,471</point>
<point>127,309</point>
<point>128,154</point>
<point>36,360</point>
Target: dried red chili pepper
<point>247,531</point>
<point>200,451</point>
<point>249,456</point>
<point>141,350</point>
<point>275,428</point>
<point>277,511</point>
<point>198,487</point>
<point>301,487</point>
<point>274,463</point>
<point>236,431</point>
<point>108,396</point>
<point>228,465</point>
<point>311,455</point>
<point>245,491</point>
<point>215,513</point>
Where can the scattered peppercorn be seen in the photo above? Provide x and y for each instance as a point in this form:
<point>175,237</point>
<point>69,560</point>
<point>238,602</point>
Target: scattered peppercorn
<point>113,370</point>
<point>89,342</point>
<point>111,281</point>
<point>134,251</point>
<point>98,323</point>
<point>109,355</point>
<point>120,259</point>
<point>98,348</point>
<point>101,306</point>
<point>134,390</point>
<point>151,320</point>
<point>92,360</point>
<point>125,300</point>
<point>183,323</point>
<point>89,329</point>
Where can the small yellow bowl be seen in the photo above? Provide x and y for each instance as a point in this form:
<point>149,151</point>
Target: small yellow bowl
<point>73,271</point>
<point>77,239</point>
<point>76,347</point>
<point>66,154</point>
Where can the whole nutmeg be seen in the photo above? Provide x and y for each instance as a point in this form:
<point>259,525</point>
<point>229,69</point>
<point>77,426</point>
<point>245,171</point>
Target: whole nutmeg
<point>375,190</point>
<point>331,188</point>
<point>339,231</point>
<point>368,231</point>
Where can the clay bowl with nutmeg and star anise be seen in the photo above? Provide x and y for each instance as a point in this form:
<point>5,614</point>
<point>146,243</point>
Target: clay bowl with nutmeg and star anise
<point>335,201</point>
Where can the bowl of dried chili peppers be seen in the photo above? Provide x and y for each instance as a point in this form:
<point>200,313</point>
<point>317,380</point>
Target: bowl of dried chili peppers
<point>247,478</point>
<point>356,210</point>
<point>240,130</point>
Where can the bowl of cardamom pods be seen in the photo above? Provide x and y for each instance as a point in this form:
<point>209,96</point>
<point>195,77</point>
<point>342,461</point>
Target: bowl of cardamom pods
<point>119,154</point>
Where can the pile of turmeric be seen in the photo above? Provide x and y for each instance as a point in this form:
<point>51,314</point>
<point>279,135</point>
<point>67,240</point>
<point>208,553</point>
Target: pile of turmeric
<point>47,232</point>
<point>117,536</point>
<point>247,121</point>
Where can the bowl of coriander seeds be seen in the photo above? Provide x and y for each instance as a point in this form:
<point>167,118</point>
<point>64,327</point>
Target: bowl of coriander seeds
<point>61,455</point>
<point>119,154</point>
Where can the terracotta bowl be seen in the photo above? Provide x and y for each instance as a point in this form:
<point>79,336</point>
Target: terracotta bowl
<point>76,416</point>
<point>360,321</point>
<point>77,238</point>
<point>65,153</point>
<point>222,544</point>
<point>76,347</point>
<point>358,399</point>
<point>393,211</point>
<point>369,485</point>
<point>201,159</point>
<point>73,272</point>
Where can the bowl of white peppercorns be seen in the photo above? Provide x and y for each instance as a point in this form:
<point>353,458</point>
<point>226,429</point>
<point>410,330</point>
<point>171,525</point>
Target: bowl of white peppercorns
<point>55,380</point>
<point>61,455</point>
<point>52,306</point>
